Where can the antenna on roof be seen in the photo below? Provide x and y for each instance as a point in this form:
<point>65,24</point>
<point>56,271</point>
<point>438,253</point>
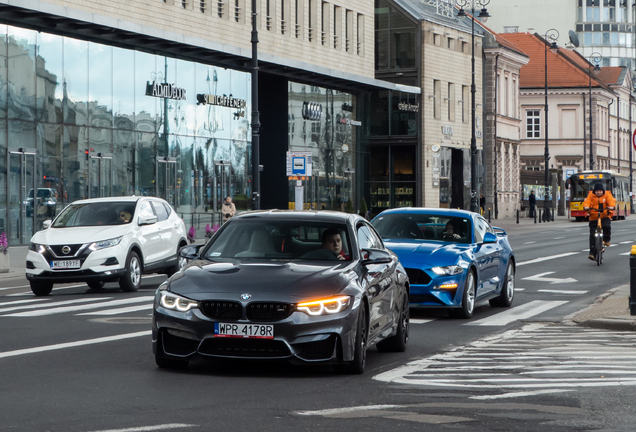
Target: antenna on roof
<point>574,39</point>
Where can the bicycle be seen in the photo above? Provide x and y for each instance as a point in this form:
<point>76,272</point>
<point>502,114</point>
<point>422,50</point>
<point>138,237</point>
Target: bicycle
<point>598,234</point>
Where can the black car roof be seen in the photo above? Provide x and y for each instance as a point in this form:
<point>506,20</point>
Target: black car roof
<point>308,215</point>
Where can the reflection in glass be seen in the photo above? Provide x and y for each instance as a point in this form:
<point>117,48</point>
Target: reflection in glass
<point>21,73</point>
<point>146,106</point>
<point>75,82</point>
<point>3,72</point>
<point>124,88</point>
<point>50,72</point>
<point>100,90</point>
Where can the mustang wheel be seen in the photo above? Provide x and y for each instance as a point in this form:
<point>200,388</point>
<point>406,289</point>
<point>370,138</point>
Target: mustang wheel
<point>507,290</point>
<point>132,279</point>
<point>41,289</point>
<point>398,342</point>
<point>468,299</point>
<point>356,366</point>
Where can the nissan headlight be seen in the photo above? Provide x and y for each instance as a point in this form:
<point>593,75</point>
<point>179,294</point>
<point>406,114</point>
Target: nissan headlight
<point>448,270</point>
<point>174,302</point>
<point>326,306</point>
<point>38,248</point>
<point>105,243</point>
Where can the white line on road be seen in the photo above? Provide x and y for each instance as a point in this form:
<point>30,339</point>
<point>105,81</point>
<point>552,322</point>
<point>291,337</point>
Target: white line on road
<point>561,291</point>
<point>547,258</point>
<point>420,321</point>
<point>517,313</point>
<point>334,411</point>
<point>123,310</point>
<point>150,428</point>
<point>558,238</point>
<point>73,344</point>
<point>541,278</point>
<point>518,394</point>
<point>49,304</point>
<point>530,242</point>
<point>627,242</point>
<point>21,286</point>
<point>81,307</point>
<point>22,301</point>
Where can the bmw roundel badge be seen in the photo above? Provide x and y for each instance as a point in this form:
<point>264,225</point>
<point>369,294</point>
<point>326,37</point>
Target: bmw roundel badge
<point>246,296</point>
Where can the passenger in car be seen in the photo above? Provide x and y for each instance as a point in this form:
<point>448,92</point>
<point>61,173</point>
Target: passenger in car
<point>124,217</point>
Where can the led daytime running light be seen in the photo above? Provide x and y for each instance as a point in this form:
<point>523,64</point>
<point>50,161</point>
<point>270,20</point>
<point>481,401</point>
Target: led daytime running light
<point>325,306</point>
<point>105,243</point>
<point>174,302</point>
<point>447,271</point>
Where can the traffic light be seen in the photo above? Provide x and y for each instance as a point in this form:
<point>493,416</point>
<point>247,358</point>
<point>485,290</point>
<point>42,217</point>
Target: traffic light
<point>86,154</point>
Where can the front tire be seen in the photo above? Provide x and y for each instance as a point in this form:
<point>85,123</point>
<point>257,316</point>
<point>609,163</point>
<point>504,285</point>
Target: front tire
<point>356,366</point>
<point>507,290</point>
<point>468,299</point>
<point>131,281</point>
<point>41,289</point>
<point>398,342</point>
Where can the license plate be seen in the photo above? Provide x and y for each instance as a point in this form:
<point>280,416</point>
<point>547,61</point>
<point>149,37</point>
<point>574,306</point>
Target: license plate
<point>252,331</point>
<point>66,264</point>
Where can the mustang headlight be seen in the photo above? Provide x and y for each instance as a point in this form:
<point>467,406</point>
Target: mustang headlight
<point>174,302</point>
<point>105,243</point>
<point>327,306</point>
<point>35,247</point>
<point>448,270</point>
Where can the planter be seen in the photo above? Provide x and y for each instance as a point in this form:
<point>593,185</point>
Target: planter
<point>4,262</point>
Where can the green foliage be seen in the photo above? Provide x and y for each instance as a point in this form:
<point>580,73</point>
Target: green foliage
<point>363,207</point>
<point>349,207</point>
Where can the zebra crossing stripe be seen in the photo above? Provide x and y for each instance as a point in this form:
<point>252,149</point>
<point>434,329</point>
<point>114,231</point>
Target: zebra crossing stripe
<point>517,313</point>
<point>120,310</point>
<point>65,309</point>
<point>49,304</point>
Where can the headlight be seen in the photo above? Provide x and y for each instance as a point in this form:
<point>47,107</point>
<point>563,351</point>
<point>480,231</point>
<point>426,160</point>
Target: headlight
<point>448,271</point>
<point>35,247</point>
<point>325,306</point>
<point>174,302</point>
<point>105,243</point>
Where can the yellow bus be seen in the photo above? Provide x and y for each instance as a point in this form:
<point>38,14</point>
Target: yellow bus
<point>580,184</point>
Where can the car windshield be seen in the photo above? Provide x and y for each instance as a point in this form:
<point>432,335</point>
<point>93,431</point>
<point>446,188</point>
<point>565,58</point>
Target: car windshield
<point>425,227</point>
<point>42,193</point>
<point>95,214</point>
<point>249,239</point>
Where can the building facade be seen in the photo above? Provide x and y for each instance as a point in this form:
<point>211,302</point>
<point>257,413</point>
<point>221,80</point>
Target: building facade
<point>154,97</point>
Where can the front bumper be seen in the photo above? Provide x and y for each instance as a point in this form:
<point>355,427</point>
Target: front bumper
<point>298,338</point>
<point>106,264</point>
<point>433,295</point>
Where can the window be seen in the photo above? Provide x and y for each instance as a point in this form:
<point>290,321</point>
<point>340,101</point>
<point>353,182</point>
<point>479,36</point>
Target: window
<point>465,47</point>
<point>437,92</point>
<point>284,13</point>
<point>360,35</point>
<point>437,39</point>
<point>450,44</point>
<point>268,16</point>
<point>220,8</point>
<point>310,22</point>
<point>298,18</point>
<point>533,124</point>
<point>367,240</point>
<point>337,26</point>
<point>324,24</point>
<point>451,102</point>
<point>348,28</point>
<point>160,210</point>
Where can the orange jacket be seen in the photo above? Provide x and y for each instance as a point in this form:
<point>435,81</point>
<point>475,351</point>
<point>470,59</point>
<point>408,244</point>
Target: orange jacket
<point>592,201</point>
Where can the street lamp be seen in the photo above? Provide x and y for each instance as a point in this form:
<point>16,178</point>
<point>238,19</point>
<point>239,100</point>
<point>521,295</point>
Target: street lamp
<point>483,16</point>
<point>551,36</point>
<point>595,59</point>
<point>256,122</point>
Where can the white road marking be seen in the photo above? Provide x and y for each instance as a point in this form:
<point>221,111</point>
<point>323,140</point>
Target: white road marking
<point>151,428</point>
<point>517,313</point>
<point>74,344</point>
<point>547,258</point>
<point>541,278</point>
<point>81,307</point>
<point>518,394</point>
<point>334,411</point>
<point>22,301</point>
<point>123,310</point>
<point>627,242</point>
<point>561,291</point>
<point>52,304</point>
<point>21,286</point>
<point>530,242</point>
<point>420,321</point>
<point>519,289</point>
<point>626,253</point>
<point>558,238</point>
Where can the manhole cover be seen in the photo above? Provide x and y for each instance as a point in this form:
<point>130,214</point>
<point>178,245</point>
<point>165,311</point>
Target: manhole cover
<point>124,320</point>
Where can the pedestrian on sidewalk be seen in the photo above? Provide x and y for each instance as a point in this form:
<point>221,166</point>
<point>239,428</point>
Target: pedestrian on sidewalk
<point>228,209</point>
<point>532,200</point>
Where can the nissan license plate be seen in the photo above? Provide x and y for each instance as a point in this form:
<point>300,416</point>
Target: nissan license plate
<point>66,264</point>
<point>255,331</point>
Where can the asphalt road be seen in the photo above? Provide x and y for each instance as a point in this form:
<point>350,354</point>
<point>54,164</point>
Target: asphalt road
<point>85,363</point>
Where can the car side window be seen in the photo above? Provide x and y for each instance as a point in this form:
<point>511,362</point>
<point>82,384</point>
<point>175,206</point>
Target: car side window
<point>365,238</point>
<point>168,208</point>
<point>160,210</point>
<point>377,240</point>
<point>480,229</point>
<point>145,210</point>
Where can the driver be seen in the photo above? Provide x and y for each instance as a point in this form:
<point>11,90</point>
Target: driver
<point>599,196</point>
<point>332,241</point>
<point>450,233</point>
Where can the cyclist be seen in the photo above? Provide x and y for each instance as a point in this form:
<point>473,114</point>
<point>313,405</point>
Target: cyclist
<point>599,196</point>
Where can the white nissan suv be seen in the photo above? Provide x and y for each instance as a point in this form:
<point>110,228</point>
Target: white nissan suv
<point>106,239</point>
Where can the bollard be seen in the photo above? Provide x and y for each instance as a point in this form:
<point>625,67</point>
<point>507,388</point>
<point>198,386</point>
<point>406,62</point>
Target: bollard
<point>552,213</point>
<point>535,216</point>
<point>488,215</point>
<point>517,215</point>
<point>632,281</point>
<point>539,215</point>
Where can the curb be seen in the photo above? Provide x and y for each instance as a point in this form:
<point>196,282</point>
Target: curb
<point>569,319</point>
<point>610,324</point>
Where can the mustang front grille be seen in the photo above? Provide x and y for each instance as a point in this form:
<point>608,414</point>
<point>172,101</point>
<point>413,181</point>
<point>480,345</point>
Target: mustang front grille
<point>417,276</point>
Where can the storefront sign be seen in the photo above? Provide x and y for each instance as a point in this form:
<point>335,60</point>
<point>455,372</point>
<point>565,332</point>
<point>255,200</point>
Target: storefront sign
<point>402,106</point>
<point>346,107</point>
<point>447,130</point>
<point>163,90</point>
<point>350,122</point>
<point>223,101</point>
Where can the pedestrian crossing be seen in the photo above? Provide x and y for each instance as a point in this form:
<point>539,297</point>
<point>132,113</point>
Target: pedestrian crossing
<point>537,358</point>
<point>106,305</point>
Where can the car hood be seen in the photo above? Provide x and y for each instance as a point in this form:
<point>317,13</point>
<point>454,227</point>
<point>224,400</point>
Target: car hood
<point>78,235</point>
<point>291,282</point>
<point>414,253</point>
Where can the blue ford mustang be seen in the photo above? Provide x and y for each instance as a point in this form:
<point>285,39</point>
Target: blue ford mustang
<point>453,258</point>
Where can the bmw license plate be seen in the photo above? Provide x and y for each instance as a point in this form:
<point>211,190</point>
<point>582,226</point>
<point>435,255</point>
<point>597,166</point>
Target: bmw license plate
<point>256,331</point>
<point>66,264</point>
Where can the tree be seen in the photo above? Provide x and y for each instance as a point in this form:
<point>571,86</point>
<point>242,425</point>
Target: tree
<point>363,208</point>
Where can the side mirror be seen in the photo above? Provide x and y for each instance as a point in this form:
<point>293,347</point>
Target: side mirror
<point>490,238</point>
<point>375,256</point>
<point>147,220</point>
<point>190,252</point>
<point>46,224</point>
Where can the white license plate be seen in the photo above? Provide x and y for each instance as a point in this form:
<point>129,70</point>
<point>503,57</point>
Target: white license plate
<point>256,331</point>
<point>66,264</point>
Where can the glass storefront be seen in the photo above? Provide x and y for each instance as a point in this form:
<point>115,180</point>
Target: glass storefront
<point>79,120</point>
<point>322,124</point>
